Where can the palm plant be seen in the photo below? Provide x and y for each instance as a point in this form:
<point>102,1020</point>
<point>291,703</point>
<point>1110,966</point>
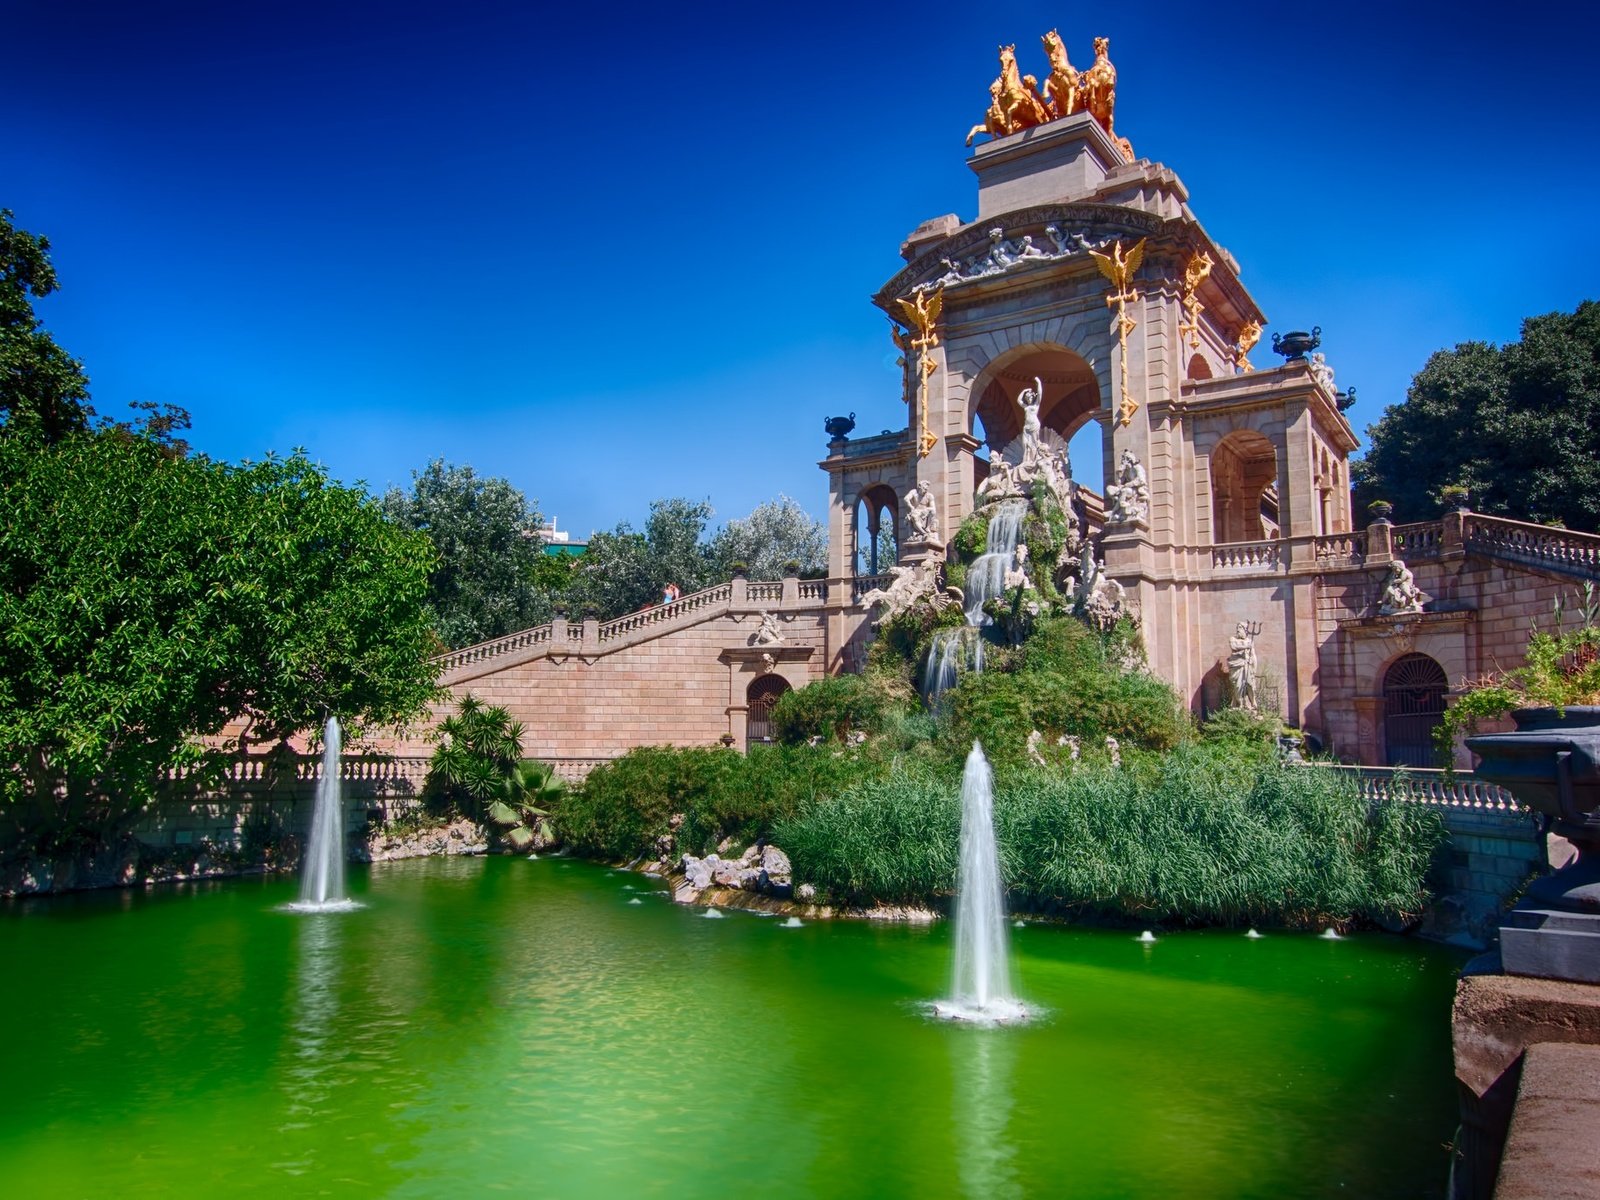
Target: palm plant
<point>522,802</point>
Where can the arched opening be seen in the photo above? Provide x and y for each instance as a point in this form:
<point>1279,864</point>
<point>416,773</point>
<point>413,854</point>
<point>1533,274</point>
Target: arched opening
<point>1414,689</point>
<point>760,696</point>
<point>1244,489</point>
<point>1071,409</point>
<point>1199,368</point>
<point>876,531</point>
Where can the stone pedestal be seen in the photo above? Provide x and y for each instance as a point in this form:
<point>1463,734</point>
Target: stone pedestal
<point>1043,165</point>
<point>1496,1019</point>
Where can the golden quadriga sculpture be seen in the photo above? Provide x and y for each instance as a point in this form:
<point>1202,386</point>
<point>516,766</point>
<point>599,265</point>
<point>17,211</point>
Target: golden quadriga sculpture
<point>1016,103</point>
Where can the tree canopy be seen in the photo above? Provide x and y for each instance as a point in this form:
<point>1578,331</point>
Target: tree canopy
<point>44,393</point>
<point>489,578</point>
<point>1518,425</point>
<point>777,533</point>
<point>147,598</point>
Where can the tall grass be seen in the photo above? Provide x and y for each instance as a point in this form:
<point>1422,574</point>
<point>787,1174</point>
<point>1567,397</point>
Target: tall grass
<point>1195,836</point>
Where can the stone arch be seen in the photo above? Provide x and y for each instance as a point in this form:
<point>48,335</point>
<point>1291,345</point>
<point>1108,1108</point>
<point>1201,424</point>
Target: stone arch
<point>1414,687</point>
<point>874,551</point>
<point>1244,488</point>
<point>1073,391</point>
<point>760,696</point>
<point>1198,367</point>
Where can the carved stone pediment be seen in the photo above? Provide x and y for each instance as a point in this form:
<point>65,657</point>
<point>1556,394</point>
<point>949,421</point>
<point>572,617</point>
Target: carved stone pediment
<point>1019,242</point>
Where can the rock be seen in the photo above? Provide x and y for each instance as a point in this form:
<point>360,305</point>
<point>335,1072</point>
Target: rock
<point>665,845</point>
<point>698,871</point>
<point>725,845</point>
<point>805,892</point>
<point>675,821</point>
<point>775,862</point>
<point>750,879</point>
<point>749,857</point>
<point>726,873</point>
<point>686,894</point>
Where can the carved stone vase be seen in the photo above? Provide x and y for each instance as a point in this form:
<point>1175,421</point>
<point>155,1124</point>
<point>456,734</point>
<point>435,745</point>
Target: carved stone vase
<point>1297,343</point>
<point>1551,763</point>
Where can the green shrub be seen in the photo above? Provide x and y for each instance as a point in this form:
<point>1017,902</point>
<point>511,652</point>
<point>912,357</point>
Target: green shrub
<point>835,707</point>
<point>626,804</point>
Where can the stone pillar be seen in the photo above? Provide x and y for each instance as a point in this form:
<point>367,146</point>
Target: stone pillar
<point>1369,720</point>
<point>741,589</point>
<point>1450,540</point>
<point>591,636</point>
<point>1380,543</point>
<point>558,631</point>
<point>791,590</point>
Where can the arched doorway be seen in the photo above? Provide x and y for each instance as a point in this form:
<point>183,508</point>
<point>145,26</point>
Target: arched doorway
<point>760,696</point>
<point>1244,489</point>
<point>1414,689</point>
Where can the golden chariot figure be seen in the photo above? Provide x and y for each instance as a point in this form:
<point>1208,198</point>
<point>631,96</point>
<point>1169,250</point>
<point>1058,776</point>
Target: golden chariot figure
<point>1016,103</point>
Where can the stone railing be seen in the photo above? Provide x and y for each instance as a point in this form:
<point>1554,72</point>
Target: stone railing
<point>814,589</point>
<point>512,642</point>
<point>862,584</point>
<point>1418,785</point>
<point>1341,549</point>
<point>1247,556</point>
<point>574,770</point>
<point>1420,540</point>
<point>764,592</point>
<point>661,613</point>
<point>1534,545</point>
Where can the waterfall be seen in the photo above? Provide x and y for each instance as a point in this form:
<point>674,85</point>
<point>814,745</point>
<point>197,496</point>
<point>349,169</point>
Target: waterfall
<point>982,986</point>
<point>986,578</point>
<point>954,650</point>
<point>322,876</point>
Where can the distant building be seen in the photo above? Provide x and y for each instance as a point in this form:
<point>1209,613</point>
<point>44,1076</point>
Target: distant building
<point>559,542</point>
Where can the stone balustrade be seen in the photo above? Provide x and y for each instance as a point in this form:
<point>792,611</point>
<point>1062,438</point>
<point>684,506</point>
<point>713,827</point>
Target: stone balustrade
<point>1341,549</point>
<point>1248,556</point>
<point>1422,539</point>
<point>1561,550</point>
<point>1418,785</point>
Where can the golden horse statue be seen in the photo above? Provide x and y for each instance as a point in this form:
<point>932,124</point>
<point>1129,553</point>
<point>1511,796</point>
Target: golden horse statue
<point>1014,101</point>
<point>1061,87</point>
<point>1098,93</point>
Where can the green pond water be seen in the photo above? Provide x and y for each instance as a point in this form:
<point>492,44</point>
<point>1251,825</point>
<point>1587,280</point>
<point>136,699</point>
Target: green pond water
<point>521,1026</point>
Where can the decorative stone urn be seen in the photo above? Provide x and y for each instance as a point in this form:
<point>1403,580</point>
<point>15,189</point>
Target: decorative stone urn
<point>1551,763</point>
<point>838,428</point>
<point>1297,343</point>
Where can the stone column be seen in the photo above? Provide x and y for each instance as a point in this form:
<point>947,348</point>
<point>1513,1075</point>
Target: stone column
<point>591,636</point>
<point>1380,542</point>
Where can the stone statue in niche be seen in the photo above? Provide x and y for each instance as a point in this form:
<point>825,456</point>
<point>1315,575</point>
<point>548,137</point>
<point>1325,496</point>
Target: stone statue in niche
<point>1128,498</point>
<point>1241,665</point>
<point>1401,595</point>
<point>768,633</point>
<point>922,513</point>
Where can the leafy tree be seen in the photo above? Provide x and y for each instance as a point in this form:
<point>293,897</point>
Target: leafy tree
<point>44,393</point>
<point>486,536</point>
<point>777,532</point>
<point>1518,425</point>
<point>624,570</point>
<point>145,599</point>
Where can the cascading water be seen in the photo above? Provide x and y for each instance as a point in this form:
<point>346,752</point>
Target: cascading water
<point>957,649</point>
<point>982,990</point>
<point>322,877</point>
<point>986,578</point>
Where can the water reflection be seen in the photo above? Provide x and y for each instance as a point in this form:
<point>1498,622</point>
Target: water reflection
<point>309,1076</point>
<point>984,1067</point>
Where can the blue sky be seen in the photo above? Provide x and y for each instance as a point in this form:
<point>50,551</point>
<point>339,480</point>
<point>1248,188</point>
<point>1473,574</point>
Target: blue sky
<point>615,252</point>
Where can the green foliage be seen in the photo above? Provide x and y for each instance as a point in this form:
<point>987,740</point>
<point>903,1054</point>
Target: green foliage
<point>1066,679</point>
<point>624,570</point>
<point>775,534</point>
<point>1236,725</point>
<point>1519,425</point>
<point>44,394</point>
<point>490,565</point>
<point>147,598</point>
<point>478,772</point>
<point>624,806</point>
<point>1559,669</point>
<point>837,706</point>
<point>1197,836</point>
